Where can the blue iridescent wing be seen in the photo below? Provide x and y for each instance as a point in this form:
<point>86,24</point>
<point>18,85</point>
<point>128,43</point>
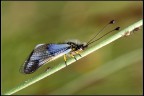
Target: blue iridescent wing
<point>42,54</point>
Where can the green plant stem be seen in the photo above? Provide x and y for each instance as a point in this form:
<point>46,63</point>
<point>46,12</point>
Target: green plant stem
<point>100,73</point>
<point>62,65</point>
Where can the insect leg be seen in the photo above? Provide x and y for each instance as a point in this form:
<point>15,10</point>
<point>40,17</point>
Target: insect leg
<point>65,60</point>
<point>78,53</point>
<point>48,68</point>
<point>73,56</point>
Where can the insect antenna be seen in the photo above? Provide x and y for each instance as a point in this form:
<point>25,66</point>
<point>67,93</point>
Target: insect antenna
<point>111,22</point>
<point>117,28</point>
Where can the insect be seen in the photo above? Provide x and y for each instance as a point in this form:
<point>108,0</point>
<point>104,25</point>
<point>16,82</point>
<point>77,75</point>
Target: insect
<point>44,53</point>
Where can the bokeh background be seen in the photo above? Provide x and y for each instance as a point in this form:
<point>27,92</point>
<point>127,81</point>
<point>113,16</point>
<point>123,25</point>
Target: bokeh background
<point>26,24</point>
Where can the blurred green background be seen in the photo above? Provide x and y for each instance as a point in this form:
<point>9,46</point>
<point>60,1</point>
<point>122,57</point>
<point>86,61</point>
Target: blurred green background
<point>26,24</point>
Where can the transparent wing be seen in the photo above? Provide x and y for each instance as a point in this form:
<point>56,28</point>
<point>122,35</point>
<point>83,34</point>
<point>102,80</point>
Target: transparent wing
<point>42,54</point>
<point>55,47</point>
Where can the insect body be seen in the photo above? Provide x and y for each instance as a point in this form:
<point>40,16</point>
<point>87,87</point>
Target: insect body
<point>44,53</point>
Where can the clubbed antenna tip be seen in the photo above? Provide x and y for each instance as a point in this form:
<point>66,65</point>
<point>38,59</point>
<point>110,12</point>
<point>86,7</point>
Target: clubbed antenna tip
<point>118,28</point>
<point>112,22</point>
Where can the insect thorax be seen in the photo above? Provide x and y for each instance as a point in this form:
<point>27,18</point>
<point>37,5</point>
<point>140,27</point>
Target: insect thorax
<point>77,46</point>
